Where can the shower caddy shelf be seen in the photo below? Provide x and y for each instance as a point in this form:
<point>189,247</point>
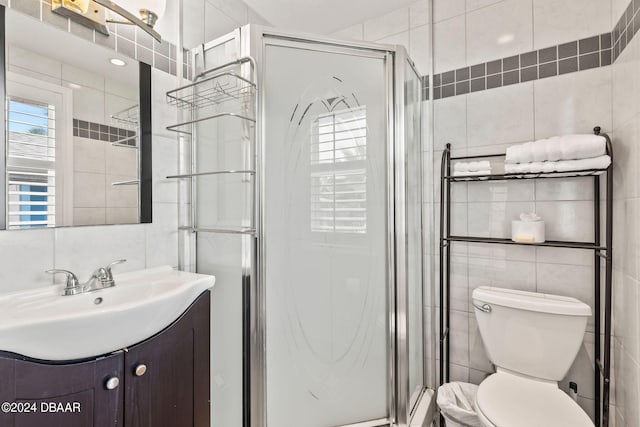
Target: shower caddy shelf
<point>602,363</point>
<point>218,87</point>
<point>212,88</point>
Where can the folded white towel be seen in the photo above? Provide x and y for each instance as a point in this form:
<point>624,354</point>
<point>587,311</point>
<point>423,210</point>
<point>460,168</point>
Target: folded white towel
<point>568,147</point>
<point>600,162</point>
<point>472,173</point>
<point>472,166</point>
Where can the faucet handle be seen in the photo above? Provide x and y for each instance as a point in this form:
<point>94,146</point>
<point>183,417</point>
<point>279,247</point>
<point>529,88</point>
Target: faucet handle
<point>108,267</point>
<point>72,285</point>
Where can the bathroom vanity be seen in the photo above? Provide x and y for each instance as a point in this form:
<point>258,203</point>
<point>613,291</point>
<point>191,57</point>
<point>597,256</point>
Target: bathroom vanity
<point>162,381</point>
<point>159,381</point>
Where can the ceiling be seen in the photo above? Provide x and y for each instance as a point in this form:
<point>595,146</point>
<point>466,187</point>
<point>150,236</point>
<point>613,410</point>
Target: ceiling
<point>322,16</point>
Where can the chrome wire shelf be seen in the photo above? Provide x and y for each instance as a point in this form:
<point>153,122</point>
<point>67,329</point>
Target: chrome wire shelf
<point>212,91</point>
<point>239,230</point>
<point>192,175</point>
<point>128,118</point>
<point>186,127</point>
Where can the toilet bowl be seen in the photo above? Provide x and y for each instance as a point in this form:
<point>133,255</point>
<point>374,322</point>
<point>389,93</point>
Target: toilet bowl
<point>532,339</point>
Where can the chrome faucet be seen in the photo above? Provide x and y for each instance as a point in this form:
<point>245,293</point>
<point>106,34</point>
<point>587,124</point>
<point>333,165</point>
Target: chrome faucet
<point>100,279</point>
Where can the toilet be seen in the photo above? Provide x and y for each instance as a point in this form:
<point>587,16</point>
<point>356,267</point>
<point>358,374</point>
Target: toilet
<point>532,339</point>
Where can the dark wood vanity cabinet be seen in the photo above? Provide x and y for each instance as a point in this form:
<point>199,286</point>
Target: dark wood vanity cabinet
<point>72,395</point>
<point>174,389</point>
<point>161,382</point>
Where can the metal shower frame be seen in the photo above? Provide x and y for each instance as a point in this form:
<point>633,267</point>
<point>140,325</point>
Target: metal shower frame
<point>251,42</point>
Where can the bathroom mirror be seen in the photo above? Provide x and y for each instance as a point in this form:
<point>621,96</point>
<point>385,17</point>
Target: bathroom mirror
<point>77,130</point>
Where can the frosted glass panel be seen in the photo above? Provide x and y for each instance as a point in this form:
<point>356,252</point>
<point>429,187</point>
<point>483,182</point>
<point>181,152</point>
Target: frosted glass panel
<point>326,227</point>
<point>412,128</point>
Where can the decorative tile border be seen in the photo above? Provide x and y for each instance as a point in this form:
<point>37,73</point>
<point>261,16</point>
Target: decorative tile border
<point>626,27</point>
<point>578,55</point>
<point>100,132</point>
<point>126,39</point>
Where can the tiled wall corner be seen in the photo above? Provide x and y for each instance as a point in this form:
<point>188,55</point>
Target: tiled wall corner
<point>626,251</point>
<point>407,26</point>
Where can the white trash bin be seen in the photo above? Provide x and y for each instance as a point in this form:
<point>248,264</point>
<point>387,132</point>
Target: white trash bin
<point>457,402</point>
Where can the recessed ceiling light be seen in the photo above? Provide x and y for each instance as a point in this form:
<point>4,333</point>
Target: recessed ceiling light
<point>505,38</point>
<point>117,62</point>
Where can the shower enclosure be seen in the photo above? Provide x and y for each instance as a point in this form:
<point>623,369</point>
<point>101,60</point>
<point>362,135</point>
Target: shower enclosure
<point>306,204</point>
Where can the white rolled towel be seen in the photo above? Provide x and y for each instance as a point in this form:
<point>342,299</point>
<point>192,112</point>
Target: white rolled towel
<point>481,165</point>
<point>575,147</point>
<point>568,147</point>
<point>553,149</point>
<point>472,173</point>
<point>600,162</point>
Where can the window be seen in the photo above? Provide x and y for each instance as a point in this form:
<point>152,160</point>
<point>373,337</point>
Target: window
<point>338,172</point>
<point>31,160</point>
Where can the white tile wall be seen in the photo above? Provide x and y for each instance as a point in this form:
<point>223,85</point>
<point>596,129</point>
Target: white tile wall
<point>446,9</point>
<point>489,121</point>
<point>407,26</point>
<point>558,22</point>
<point>205,20</point>
<point>502,115</point>
<point>573,103</point>
<point>499,30</point>
<point>626,114</point>
<point>449,44</point>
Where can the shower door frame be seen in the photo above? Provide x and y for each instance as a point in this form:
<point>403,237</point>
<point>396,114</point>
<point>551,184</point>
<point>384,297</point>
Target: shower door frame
<point>253,42</point>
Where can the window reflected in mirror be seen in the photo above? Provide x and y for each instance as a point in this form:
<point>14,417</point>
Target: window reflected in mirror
<point>73,129</point>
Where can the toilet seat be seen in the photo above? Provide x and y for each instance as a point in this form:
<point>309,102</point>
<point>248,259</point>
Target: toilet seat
<point>509,400</point>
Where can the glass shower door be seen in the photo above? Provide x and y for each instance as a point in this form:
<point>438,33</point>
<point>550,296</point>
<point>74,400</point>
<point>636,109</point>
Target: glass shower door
<point>413,162</point>
<point>326,220</point>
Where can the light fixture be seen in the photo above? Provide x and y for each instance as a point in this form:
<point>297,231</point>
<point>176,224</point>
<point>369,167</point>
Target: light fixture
<point>117,62</point>
<point>93,13</point>
<point>150,11</point>
<point>80,6</point>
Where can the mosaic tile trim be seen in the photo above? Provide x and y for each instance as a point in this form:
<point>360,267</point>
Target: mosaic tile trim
<point>100,132</point>
<point>425,88</point>
<point>578,55</point>
<point>626,27</point>
<point>128,40</point>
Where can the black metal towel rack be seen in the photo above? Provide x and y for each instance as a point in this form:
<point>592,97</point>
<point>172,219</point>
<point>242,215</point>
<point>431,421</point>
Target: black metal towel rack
<point>602,363</point>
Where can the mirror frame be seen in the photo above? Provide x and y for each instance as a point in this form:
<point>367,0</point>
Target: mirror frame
<point>146,135</point>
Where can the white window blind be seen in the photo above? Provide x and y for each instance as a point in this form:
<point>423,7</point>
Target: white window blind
<point>31,157</point>
<point>338,172</point>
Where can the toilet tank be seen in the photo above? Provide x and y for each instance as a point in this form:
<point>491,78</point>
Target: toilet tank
<point>534,334</point>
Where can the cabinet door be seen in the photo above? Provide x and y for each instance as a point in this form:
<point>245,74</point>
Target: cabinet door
<point>73,395</point>
<point>167,376</point>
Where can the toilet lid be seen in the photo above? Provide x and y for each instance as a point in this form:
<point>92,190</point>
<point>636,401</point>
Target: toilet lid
<point>511,401</point>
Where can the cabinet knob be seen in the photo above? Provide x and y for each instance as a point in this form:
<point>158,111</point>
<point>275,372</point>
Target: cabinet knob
<point>140,370</point>
<point>112,383</point>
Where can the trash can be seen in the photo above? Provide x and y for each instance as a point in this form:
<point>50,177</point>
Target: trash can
<point>457,402</point>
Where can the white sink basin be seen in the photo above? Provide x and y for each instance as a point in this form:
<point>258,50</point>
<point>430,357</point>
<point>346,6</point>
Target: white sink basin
<point>43,324</point>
